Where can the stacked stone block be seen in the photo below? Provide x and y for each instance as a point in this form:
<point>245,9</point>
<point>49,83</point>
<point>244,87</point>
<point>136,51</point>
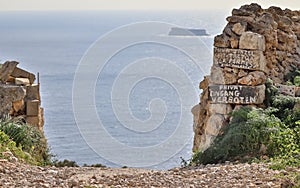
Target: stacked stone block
<point>19,95</point>
<point>256,44</point>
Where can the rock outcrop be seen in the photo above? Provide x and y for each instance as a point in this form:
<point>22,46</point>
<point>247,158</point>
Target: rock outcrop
<point>256,44</point>
<point>19,96</point>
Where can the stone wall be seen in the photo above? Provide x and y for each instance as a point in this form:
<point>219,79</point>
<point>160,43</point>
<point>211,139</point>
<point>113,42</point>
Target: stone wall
<point>256,44</point>
<point>19,95</point>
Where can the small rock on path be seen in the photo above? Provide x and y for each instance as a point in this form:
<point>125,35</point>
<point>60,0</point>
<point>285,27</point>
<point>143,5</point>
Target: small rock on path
<point>225,175</point>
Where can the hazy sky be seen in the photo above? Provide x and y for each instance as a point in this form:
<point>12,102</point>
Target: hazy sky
<point>138,4</point>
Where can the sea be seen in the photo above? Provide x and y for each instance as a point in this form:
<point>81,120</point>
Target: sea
<point>116,89</point>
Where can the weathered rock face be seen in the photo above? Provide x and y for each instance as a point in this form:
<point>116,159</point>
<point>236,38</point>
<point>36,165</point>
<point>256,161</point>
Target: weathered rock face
<point>253,79</point>
<point>256,44</point>
<point>10,97</point>
<point>6,70</point>
<point>19,96</point>
<point>252,41</point>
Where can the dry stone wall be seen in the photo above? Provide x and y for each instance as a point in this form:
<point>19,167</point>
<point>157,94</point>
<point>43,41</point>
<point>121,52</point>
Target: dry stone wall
<point>256,44</point>
<point>19,95</point>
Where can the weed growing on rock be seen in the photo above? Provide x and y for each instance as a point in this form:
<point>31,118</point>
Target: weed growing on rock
<point>252,133</point>
<point>28,138</point>
<point>9,149</point>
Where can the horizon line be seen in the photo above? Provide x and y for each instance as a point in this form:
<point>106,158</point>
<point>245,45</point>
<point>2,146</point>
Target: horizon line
<point>83,10</point>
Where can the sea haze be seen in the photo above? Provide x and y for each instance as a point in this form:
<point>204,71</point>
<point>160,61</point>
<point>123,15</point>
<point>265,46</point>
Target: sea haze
<point>53,43</point>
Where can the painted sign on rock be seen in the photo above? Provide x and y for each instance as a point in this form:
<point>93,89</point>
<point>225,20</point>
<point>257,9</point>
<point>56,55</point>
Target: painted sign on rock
<point>237,94</point>
<point>243,59</point>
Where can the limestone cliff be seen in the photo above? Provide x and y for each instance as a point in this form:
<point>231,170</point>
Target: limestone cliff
<point>19,95</point>
<point>256,44</point>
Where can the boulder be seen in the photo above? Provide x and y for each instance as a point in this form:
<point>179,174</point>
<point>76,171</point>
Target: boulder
<point>8,95</point>
<point>228,31</point>
<point>204,83</point>
<point>6,69</point>
<point>214,124</point>
<point>252,41</point>
<point>242,12</point>
<point>239,28</point>
<point>22,81</point>
<point>261,93</point>
<point>32,108</point>
<point>20,73</point>
<point>11,79</point>
<point>195,111</point>
<point>32,120</point>
<point>295,18</point>
<point>267,20</point>
<point>222,109</point>
<point>275,10</point>
<point>253,79</point>
<point>216,75</point>
<point>229,77</point>
<point>234,43</point>
<point>18,105</point>
<point>242,73</point>
<point>253,7</point>
<point>239,19</point>
<point>286,90</point>
<point>284,23</point>
<point>33,92</point>
<point>221,41</point>
<point>222,76</point>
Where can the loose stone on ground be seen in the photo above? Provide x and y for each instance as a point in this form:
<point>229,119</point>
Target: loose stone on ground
<point>221,175</point>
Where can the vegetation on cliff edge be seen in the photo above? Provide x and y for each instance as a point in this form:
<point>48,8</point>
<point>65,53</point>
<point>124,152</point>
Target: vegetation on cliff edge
<point>271,134</point>
<point>23,141</point>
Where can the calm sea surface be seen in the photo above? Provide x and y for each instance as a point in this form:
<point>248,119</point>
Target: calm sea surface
<point>53,43</point>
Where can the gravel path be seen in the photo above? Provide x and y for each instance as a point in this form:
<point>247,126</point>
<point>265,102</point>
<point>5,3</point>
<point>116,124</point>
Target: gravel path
<point>229,175</point>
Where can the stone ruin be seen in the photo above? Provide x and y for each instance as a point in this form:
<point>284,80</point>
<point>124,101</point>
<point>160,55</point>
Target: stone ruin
<point>256,44</point>
<point>19,95</point>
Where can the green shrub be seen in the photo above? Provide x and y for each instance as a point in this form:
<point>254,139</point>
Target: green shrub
<point>282,102</point>
<point>6,144</point>
<point>292,118</point>
<point>243,137</point>
<point>285,147</point>
<point>95,165</point>
<point>297,81</point>
<point>64,163</point>
<point>252,128</point>
<point>27,137</point>
<point>290,77</point>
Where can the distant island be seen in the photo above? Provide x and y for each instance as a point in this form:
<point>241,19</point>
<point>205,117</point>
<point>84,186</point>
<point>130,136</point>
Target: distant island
<point>178,31</point>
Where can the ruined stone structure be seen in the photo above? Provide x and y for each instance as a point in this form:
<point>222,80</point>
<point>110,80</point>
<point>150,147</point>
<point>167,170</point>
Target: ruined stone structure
<point>19,95</point>
<point>256,44</point>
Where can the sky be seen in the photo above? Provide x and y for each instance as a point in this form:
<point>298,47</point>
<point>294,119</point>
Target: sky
<point>6,5</point>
